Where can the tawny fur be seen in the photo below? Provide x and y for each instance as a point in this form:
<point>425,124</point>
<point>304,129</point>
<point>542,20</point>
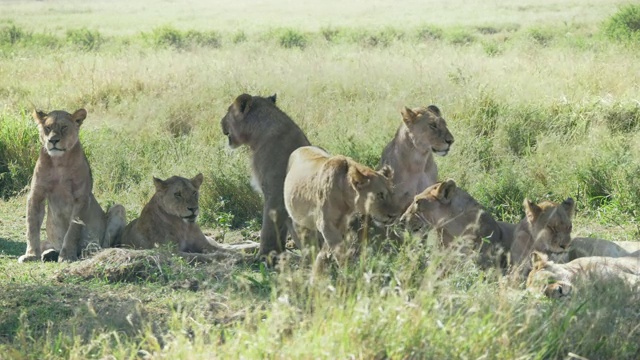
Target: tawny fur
<point>322,192</point>
<point>62,178</point>
<point>170,217</point>
<point>453,213</point>
<point>558,280</point>
<point>422,133</point>
<point>272,136</point>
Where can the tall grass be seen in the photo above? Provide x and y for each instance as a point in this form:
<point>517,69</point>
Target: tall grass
<point>539,109</point>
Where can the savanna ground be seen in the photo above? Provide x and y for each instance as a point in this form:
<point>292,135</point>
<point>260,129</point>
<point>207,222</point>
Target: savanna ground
<point>543,98</point>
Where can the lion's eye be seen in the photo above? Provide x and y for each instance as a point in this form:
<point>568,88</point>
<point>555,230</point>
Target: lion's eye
<point>433,126</point>
<point>381,195</point>
<point>64,128</point>
<point>47,128</point>
<point>195,193</point>
<point>178,195</point>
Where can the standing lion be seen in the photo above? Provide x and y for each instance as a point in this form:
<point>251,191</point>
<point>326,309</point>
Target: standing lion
<point>272,136</point>
<point>62,178</point>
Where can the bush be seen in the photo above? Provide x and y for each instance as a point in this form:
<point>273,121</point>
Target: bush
<point>460,37</point>
<point>541,36</point>
<point>291,38</point>
<point>239,37</point>
<point>11,35</point>
<point>625,24</point>
<point>167,36</point>
<point>85,39</point>
<point>427,33</point>
<point>207,38</point>
<point>19,148</point>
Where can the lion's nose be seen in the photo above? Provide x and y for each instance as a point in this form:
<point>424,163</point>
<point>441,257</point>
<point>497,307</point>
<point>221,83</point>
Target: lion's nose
<point>193,209</point>
<point>449,141</point>
<point>54,141</point>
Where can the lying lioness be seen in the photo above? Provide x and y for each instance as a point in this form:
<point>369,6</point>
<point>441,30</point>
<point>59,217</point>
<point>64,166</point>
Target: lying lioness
<point>63,178</point>
<point>321,193</point>
<point>557,280</point>
<point>170,217</point>
<point>453,213</point>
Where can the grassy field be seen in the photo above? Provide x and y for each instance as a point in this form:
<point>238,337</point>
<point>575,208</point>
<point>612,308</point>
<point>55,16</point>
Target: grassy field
<point>543,98</point>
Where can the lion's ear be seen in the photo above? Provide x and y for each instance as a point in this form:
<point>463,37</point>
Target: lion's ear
<point>79,116</point>
<point>539,260</point>
<point>197,180</point>
<point>408,116</point>
<point>434,109</point>
<point>532,210</point>
<point>272,98</point>
<point>160,184</point>
<point>445,191</point>
<point>356,177</point>
<point>386,171</point>
<point>242,104</point>
<point>569,206</point>
<point>39,116</point>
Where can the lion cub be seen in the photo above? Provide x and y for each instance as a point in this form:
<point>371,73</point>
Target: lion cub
<point>456,214</point>
<point>422,133</point>
<point>170,217</point>
<point>322,192</point>
<point>556,280</point>
<point>546,228</point>
<point>62,178</point>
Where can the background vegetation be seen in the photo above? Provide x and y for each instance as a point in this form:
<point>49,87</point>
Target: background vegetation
<point>543,98</point>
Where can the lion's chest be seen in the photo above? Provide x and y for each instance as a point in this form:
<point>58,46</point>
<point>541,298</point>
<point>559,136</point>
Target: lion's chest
<point>62,191</point>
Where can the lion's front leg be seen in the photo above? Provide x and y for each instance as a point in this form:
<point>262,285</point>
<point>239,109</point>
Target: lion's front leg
<point>70,245</point>
<point>35,216</point>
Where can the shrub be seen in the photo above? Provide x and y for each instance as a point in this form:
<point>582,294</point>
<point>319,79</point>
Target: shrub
<point>290,38</point>
<point>427,33</point>
<point>84,38</point>
<point>624,25</point>
<point>541,36</point>
<point>460,37</point>
<point>239,37</point>
<point>11,34</point>
<point>207,38</point>
<point>19,148</point>
<point>167,36</point>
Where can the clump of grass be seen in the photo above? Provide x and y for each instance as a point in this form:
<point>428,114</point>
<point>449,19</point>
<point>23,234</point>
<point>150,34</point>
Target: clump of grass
<point>19,149</point>
<point>12,34</point>
<point>205,39</point>
<point>290,38</point>
<point>85,39</point>
<point>460,37</point>
<point>167,36</point>
<point>541,36</point>
<point>429,33</point>
<point>239,37</point>
<point>624,25</point>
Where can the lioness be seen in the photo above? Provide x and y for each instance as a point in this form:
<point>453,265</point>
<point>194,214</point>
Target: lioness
<point>272,136</point>
<point>170,217</point>
<point>453,213</point>
<point>556,280</point>
<point>62,177</point>
<point>410,154</point>
<point>322,192</point>
<point>546,228</point>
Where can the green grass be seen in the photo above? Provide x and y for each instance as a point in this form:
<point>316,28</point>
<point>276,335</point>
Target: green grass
<point>541,98</point>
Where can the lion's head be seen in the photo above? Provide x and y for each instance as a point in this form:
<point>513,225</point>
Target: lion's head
<point>550,224</point>
<point>547,277</point>
<point>59,130</point>
<point>434,205</point>
<point>427,129</point>
<point>234,126</point>
<point>178,196</point>
<point>373,192</point>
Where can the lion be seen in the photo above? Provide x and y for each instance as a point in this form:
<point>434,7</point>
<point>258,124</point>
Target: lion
<point>422,133</point>
<point>62,178</point>
<point>322,192</point>
<point>585,246</point>
<point>272,136</point>
<point>170,217</point>
<point>557,280</point>
<point>546,228</point>
<point>453,213</point>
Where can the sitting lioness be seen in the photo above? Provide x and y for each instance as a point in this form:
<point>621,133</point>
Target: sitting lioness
<point>322,192</point>
<point>422,133</point>
<point>453,213</point>
<point>62,177</point>
<point>557,280</point>
<point>170,217</point>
